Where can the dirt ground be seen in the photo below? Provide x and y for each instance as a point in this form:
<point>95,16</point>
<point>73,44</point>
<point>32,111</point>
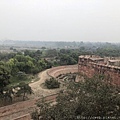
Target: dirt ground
<point>37,87</point>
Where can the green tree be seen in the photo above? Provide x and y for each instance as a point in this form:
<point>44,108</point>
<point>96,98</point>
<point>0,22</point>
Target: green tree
<point>8,95</point>
<point>93,97</point>
<point>52,83</point>
<point>23,90</point>
<point>4,77</point>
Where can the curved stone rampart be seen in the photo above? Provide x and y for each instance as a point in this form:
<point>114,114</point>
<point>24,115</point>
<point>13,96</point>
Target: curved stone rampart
<point>55,71</point>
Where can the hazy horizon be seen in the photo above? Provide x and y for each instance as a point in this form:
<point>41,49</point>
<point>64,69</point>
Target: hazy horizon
<point>60,20</point>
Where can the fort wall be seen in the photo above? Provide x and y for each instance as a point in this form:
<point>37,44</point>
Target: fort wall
<point>89,66</point>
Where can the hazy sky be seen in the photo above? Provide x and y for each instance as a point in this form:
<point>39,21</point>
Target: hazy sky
<point>56,20</point>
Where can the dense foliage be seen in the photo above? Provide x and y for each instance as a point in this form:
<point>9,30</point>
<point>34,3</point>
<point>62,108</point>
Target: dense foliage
<point>52,83</point>
<point>26,64</point>
<point>94,98</point>
<point>16,69</point>
<point>4,77</point>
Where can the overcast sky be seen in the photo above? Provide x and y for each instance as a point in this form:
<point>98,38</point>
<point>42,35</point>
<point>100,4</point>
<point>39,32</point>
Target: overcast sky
<point>60,20</point>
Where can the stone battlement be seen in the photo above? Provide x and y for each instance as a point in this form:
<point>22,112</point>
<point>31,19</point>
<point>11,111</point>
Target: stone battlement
<point>91,64</point>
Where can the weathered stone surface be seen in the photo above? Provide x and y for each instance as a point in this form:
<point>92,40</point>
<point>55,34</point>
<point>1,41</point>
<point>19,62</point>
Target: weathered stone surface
<point>90,65</point>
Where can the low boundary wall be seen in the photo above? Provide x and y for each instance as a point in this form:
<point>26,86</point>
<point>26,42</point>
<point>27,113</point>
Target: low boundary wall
<point>22,110</point>
<point>55,71</point>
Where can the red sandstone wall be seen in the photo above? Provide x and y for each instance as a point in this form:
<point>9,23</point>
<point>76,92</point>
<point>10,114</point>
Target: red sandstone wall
<point>86,70</point>
<point>89,69</point>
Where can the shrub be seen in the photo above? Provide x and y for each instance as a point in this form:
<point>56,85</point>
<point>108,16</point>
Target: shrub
<point>52,83</point>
